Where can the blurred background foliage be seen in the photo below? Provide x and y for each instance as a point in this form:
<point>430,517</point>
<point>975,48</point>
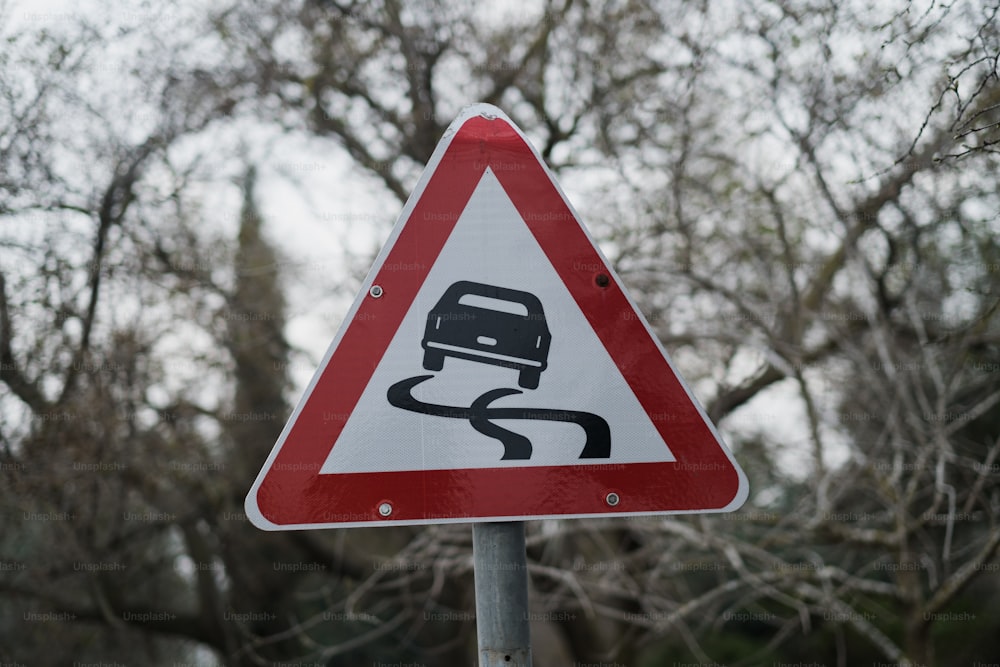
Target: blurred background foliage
<point>800,194</point>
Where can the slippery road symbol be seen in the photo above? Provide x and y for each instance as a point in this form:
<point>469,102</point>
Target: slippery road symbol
<point>505,327</point>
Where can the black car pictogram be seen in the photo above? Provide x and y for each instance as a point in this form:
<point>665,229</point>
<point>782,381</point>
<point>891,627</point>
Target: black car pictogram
<point>488,324</point>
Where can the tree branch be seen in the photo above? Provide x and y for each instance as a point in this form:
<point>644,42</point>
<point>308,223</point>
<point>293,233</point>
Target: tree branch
<point>10,369</point>
<point>114,204</point>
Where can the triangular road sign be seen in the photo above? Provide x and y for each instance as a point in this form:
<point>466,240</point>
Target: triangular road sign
<point>492,368</point>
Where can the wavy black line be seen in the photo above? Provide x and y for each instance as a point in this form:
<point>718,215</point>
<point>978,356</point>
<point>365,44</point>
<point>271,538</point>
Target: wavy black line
<point>481,416</point>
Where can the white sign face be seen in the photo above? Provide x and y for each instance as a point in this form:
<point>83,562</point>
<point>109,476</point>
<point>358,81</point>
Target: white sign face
<point>491,246</point>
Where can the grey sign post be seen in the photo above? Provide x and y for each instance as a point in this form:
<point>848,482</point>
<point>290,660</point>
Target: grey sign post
<point>501,570</point>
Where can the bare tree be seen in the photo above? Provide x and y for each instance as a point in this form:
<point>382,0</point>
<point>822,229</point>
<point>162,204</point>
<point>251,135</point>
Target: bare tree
<point>799,194</point>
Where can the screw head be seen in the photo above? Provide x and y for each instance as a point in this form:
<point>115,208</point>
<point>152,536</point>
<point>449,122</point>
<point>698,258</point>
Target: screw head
<point>385,509</point>
<point>602,280</point>
<point>612,499</point>
<point>376,291</point>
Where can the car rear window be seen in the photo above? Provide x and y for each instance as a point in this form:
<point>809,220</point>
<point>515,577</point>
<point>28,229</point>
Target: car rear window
<point>489,303</point>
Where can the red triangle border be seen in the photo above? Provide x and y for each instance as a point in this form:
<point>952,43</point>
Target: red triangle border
<point>290,492</point>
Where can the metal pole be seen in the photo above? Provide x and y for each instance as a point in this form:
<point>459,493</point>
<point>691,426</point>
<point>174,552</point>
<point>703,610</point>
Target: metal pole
<point>501,594</point>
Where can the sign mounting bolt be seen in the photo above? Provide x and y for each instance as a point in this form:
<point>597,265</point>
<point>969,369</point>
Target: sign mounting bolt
<point>612,499</point>
<point>385,509</point>
<point>602,280</point>
<point>376,291</point>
